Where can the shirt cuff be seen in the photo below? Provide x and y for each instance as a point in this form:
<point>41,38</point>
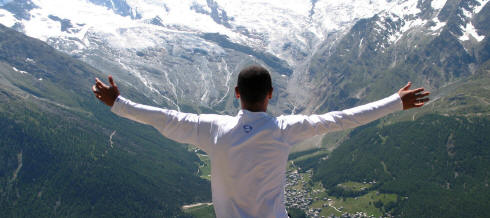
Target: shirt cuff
<point>395,102</point>
<point>119,104</point>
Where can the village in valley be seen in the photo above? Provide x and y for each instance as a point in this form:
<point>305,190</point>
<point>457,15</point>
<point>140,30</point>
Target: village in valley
<point>311,198</point>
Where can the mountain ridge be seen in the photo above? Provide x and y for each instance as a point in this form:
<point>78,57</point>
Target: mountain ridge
<point>297,44</point>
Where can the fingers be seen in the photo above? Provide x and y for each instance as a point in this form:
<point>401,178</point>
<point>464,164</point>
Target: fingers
<point>406,87</point>
<point>417,90</point>
<point>100,84</point>
<point>111,81</point>
<point>96,92</point>
<point>422,100</point>
<point>423,94</point>
<point>113,84</point>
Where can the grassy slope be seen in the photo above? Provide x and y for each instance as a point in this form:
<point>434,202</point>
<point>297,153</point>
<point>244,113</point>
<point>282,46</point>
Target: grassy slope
<point>438,156</point>
<point>55,150</point>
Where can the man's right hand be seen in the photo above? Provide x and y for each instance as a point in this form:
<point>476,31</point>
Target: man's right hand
<point>412,98</point>
<point>105,93</point>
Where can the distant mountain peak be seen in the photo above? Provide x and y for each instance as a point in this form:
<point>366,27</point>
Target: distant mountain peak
<point>161,43</point>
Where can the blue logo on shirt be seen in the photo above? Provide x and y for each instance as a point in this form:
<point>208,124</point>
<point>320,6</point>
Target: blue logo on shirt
<point>247,128</point>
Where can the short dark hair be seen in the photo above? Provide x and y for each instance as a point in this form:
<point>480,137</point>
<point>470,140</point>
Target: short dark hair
<point>254,83</point>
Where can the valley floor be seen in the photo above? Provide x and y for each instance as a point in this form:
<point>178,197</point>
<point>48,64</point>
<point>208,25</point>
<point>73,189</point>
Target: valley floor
<point>312,198</point>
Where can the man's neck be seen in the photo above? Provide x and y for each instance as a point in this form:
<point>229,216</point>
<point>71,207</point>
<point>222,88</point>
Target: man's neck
<point>255,108</point>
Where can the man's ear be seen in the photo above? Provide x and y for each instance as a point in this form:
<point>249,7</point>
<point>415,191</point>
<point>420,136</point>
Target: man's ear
<point>237,93</point>
<point>269,95</point>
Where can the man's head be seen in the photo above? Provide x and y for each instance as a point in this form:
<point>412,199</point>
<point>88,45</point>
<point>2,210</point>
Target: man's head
<point>254,88</point>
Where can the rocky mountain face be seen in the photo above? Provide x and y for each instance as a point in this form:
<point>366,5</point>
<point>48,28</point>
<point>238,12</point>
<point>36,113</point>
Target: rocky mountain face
<point>188,54</point>
<point>431,46</point>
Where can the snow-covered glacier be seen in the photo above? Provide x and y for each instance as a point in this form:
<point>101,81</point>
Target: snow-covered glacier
<point>189,52</point>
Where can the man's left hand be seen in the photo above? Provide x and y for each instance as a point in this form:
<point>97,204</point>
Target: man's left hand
<point>412,98</point>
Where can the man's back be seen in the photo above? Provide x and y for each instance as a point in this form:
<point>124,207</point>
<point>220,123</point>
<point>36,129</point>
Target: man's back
<point>248,162</point>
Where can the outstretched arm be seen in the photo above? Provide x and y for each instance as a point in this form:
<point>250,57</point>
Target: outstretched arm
<point>300,127</point>
<point>109,95</point>
<point>175,125</point>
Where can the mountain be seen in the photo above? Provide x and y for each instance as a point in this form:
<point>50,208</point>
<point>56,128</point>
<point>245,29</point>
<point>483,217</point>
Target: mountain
<point>65,154</point>
<point>323,55</point>
<point>326,47</point>
<point>433,45</point>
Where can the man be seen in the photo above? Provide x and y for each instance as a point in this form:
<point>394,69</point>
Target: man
<point>249,151</point>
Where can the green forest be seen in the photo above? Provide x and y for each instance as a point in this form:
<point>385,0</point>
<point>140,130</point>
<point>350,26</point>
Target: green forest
<point>439,165</point>
<point>63,154</point>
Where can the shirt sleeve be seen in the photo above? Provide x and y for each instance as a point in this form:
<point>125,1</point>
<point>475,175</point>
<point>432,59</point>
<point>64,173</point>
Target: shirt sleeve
<point>181,127</point>
<point>297,128</point>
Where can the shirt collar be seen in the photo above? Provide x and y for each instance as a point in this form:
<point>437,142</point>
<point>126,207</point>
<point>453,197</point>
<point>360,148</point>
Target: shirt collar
<point>244,112</point>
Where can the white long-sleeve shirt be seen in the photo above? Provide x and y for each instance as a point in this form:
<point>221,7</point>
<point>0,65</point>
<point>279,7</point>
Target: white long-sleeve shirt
<point>249,151</point>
